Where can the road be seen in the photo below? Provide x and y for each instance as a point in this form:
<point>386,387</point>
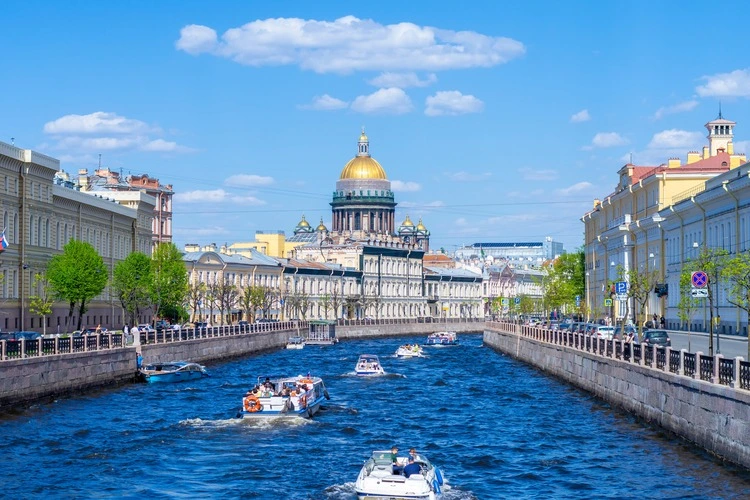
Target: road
<point>729,346</point>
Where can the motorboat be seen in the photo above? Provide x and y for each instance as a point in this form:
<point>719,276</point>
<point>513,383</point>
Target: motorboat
<point>368,364</point>
<point>280,396</point>
<point>409,351</point>
<point>175,371</point>
<point>295,343</point>
<point>442,339</point>
<point>379,479</point>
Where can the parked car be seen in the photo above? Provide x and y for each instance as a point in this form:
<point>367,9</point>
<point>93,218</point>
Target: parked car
<point>657,337</point>
<point>242,323</point>
<point>603,332</point>
<point>145,327</point>
<point>629,330</point>
<point>20,335</point>
<point>161,325</point>
<point>200,324</point>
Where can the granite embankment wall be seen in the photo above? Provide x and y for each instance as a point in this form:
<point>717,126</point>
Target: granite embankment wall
<point>29,379</point>
<point>715,417</point>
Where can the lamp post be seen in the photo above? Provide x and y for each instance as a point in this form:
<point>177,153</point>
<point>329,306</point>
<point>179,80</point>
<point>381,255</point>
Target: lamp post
<point>588,304</point>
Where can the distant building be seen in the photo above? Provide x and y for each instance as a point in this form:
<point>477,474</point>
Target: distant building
<point>522,255</point>
<point>105,180</point>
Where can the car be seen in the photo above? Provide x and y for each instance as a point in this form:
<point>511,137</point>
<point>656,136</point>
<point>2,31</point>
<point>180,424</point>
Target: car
<point>657,337</point>
<point>161,325</point>
<point>20,335</point>
<point>92,331</point>
<point>146,328</point>
<point>603,332</point>
<point>629,330</point>
<point>199,324</point>
<point>242,322</point>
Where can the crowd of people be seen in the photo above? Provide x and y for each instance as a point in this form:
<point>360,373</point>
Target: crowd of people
<point>267,389</point>
<point>411,465</point>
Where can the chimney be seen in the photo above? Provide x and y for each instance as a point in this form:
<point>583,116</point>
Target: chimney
<point>83,179</point>
<point>706,153</point>
<point>693,156</point>
<point>673,163</point>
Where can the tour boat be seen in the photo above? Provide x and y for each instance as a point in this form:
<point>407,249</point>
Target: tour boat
<point>442,338</point>
<point>377,480</point>
<point>409,351</point>
<point>284,397</point>
<point>368,364</point>
<point>295,343</point>
<point>175,371</point>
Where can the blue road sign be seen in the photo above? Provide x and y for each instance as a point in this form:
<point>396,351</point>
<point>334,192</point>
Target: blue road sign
<point>281,302</point>
<point>699,279</point>
<point>621,288</point>
<point>578,300</point>
<point>517,300</point>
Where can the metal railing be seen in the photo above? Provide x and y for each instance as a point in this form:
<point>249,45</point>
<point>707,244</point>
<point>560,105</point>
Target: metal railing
<point>69,344</point>
<point>732,372</point>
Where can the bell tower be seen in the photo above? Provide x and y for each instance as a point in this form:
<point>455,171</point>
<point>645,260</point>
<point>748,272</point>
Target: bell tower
<point>720,134</point>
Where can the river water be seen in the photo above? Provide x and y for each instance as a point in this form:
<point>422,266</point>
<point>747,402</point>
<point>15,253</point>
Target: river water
<point>496,427</point>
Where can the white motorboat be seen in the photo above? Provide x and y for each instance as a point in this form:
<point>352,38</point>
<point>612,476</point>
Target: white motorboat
<point>284,397</point>
<point>368,364</point>
<point>442,339</point>
<point>377,480</point>
<point>409,351</point>
<point>295,343</point>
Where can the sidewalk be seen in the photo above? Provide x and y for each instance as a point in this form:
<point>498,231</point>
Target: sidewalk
<point>739,338</point>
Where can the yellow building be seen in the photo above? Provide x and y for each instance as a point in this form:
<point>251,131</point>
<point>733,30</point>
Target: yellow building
<point>624,229</point>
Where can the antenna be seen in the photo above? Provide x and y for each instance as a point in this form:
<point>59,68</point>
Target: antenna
<point>100,161</point>
<point>631,158</point>
<point>12,141</point>
<point>720,117</point>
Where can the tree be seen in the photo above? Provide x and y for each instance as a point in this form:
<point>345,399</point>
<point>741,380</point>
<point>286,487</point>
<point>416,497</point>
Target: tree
<point>246,303</point>
<point>169,285</point>
<point>227,296</point>
<point>640,285</point>
<point>526,305</point>
<point>131,283</point>
<point>688,304</point>
<point>711,261</point>
<point>41,303</point>
<point>337,300</point>
<point>257,298</point>
<point>565,280</point>
<point>77,275</point>
<point>268,300</point>
<point>737,275</point>
<point>195,294</point>
<point>325,301</point>
<point>212,300</point>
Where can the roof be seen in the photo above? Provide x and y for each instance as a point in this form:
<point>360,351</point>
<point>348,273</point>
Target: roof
<point>258,259</point>
<point>454,273</point>
<point>507,245</point>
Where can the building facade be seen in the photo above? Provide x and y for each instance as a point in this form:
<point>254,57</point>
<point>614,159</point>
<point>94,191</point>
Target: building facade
<point>41,212</point>
<point>523,255</point>
<point>630,228</point>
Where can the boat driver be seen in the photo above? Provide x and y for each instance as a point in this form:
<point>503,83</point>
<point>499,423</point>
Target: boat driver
<point>412,467</point>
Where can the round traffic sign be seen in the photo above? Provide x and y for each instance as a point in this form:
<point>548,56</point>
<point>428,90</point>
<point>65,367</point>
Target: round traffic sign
<point>699,279</point>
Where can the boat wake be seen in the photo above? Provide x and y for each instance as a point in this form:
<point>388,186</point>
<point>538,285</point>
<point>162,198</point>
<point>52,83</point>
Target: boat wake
<point>340,491</point>
<point>259,423</point>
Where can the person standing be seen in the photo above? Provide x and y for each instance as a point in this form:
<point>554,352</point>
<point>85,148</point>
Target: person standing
<point>136,335</point>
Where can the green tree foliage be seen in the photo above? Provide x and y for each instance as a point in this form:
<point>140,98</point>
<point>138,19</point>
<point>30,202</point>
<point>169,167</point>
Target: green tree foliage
<point>170,283</point>
<point>688,305</point>
<point>131,283</point>
<point>737,275</point>
<point>711,261</point>
<point>41,302</point>
<point>564,281</point>
<point>527,305</point>
<point>77,275</point>
<point>640,285</point>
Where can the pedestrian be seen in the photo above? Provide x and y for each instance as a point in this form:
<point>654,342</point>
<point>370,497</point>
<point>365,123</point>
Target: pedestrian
<point>136,335</point>
<point>125,330</point>
<point>662,322</point>
<point>139,360</point>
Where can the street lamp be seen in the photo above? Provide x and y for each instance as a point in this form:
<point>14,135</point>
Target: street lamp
<point>588,306</point>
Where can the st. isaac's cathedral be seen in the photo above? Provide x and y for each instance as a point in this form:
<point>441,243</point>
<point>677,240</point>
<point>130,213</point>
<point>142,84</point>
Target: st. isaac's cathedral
<point>364,237</point>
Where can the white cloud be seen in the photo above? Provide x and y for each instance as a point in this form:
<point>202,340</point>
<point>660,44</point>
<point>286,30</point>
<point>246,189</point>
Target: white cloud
<point>215,196</point>
<point>676,139</point>
<point>248,180</point>
<point>468,176</point>
<point>99,122</point>
<point>532,174</point>
<point>200,231</point>
<point>405,186</point>
<point>325,103</point>
<point>402,80</point>
<point>576,188</point>
<point>452,102</point>
<point>675,108</point>
<point>734,84</point>
<point>384,101</point>
<point>461,222</point>
<point>426,206</point>
<point>581,116</point>
<point>104,131</point>
<point>349,44</point>
<point>607,140</point>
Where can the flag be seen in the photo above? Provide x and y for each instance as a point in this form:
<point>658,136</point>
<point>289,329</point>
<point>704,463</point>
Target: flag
<point>481,251</point>
<point>3,241</point>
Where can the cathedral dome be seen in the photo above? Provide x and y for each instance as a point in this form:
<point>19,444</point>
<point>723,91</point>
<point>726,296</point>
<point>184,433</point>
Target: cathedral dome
<point>363,166</point>
<point>321,227</point>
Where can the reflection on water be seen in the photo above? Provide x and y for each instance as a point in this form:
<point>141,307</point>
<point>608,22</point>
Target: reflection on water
<point>497,428</point>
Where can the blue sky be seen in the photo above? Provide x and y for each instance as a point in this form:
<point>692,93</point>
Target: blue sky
<point>495,121</point>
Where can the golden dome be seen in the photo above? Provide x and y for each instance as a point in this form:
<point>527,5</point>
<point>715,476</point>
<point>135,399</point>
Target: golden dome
<point>407,222</point>
<point>363,137</point>
<point>321,227</point>
<point>303,223</point>
<point>363,167</point>
<point>420,226</point>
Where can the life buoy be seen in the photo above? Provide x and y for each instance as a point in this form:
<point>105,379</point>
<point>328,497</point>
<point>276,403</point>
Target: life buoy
<point>439,476</point>
<point>252,404</point>
<point>436,487</point>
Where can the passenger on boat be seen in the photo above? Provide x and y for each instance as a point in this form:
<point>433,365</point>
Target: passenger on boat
<point>394,458</point>
<point>412,467</point>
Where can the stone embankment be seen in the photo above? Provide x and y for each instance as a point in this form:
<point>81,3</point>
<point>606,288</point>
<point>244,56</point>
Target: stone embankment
<point>716,417</point>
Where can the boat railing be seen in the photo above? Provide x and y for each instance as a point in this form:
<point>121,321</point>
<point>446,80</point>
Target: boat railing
<point>730,372</point>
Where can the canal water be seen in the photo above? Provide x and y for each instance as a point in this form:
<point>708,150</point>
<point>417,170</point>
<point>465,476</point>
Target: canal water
<point>497,428</point>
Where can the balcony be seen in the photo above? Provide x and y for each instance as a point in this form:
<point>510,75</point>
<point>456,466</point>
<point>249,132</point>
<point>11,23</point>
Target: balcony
<point>431,299</point>
<point>620,221</point>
